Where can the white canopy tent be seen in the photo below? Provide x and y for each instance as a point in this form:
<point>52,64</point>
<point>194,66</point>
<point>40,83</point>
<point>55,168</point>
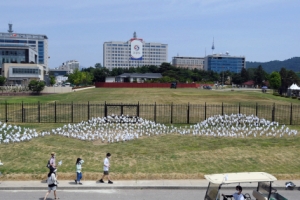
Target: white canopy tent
<point>294,89</point>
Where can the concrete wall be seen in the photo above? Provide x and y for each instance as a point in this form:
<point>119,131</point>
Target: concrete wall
<point>57,90</point>
<point>145,85</point>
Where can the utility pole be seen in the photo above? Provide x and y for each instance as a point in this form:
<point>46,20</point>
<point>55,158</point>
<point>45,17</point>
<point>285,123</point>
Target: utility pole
<point>223,78</point>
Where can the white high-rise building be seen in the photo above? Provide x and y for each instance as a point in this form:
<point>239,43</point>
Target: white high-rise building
<point>37,42</point>
<point>133,53</point>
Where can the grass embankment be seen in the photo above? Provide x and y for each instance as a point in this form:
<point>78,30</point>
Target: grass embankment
<point>157,157</point>
<point>158,95</point>
<point>169,157</point>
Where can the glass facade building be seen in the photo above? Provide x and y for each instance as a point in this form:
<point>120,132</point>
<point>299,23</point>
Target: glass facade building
<point>219,63</point>
<point>37,42</point>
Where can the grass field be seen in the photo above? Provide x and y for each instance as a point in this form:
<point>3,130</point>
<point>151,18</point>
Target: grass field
<point>158,95</point>
<point>159,157</point>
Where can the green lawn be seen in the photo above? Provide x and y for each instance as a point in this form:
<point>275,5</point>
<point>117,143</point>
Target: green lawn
<point>168,156</point>
<point>158,95</point>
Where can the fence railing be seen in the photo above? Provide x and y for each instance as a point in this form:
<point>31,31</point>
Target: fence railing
<point>160,113</point>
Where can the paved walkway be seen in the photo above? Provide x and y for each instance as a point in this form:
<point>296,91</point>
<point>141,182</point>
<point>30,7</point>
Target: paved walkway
<point>128,184</point>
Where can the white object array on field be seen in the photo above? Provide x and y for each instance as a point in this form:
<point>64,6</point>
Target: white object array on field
<point>113,128</point>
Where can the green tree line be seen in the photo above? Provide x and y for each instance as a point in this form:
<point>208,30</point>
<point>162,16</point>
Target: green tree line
<point>284,78</point>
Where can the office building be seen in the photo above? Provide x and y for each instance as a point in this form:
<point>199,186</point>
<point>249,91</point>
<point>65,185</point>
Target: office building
<point>224,62</point>
<point>22,74</point>
<point>38,43</point>
<point>133,53</point>
<point>70,66</point>
<point>188,62</point>
<point>19,64</point>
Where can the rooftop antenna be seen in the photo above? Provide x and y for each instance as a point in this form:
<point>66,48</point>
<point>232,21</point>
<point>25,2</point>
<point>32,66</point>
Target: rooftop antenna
<point>205,52</point>
<point>134,34</point>
<point>177,54</point>
<point>10,28</point>
<point>213,46</point>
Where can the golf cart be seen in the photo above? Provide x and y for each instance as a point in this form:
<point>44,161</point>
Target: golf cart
<point>264,190</point>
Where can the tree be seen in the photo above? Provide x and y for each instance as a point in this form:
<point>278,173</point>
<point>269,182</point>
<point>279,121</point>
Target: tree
<point>98,65</point>
<point>36,86</point>
<point>284,74</point>
<point>2,80</point>
<point>244,75</point>
<point>275,80</point>
<point>52,80</point>
<point>100,74</point>
<point>260,75</point>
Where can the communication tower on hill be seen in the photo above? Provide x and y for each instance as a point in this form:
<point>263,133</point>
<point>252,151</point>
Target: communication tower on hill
<point>213,46</point>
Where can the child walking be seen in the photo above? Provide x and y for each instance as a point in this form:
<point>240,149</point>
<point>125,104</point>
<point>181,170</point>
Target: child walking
<point>79,162</point>
<point>106,166</point>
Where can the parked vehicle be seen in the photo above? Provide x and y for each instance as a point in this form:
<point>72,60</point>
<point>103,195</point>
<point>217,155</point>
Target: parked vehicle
<point>173,85</point>
<point>207,87</point>
<point>264,190</point>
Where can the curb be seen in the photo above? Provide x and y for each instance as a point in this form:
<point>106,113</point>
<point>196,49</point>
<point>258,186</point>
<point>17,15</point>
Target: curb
<point>129,187</point>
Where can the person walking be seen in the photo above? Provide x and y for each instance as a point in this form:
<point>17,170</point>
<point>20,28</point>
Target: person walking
<point>106,167</point>
<point>79,162</point>
<point>52,160</point>
<point>52,183</point>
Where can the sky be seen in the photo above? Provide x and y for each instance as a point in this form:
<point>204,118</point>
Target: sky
<point>260,30</point>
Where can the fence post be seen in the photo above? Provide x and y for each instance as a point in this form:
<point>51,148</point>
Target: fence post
<point>6,120</point>
<point>256,109</point>
<point>121,108</point>
<point>172,113</point>
<point>239,108</point>
<point>155,112</point>
<point>273,113</point>
<point>105,109</point>
<point>138,109</point>
<point>222,109</point>
<point>88,110</point>
<point>205,111</point>
<point>72,112</point>
<point>188,113</point>
<point>54,111</point>
<point>291,115</point>
<point>22,112</point>
<point>39,112</point>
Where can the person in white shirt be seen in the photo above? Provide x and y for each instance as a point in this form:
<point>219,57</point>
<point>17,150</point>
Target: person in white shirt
<point>237,196</point>
<point>106,166</point>
<point>52,183</point>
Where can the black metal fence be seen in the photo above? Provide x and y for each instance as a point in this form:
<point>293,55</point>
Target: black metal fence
<point>160,113</point>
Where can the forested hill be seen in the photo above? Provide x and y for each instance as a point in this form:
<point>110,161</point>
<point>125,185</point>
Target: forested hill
<point>276,65</point>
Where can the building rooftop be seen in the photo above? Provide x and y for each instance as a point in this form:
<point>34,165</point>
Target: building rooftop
<point>22,36</point>
<point>139,75</point>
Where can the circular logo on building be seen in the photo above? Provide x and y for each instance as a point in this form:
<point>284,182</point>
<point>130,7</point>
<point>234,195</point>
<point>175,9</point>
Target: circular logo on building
<point>136,47</point>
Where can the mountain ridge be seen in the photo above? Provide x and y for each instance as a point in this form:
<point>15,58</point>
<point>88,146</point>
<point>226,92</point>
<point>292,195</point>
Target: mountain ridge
<point>275,65</point>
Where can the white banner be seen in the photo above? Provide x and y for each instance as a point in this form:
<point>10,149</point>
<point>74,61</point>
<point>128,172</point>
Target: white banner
<point>136,50</point>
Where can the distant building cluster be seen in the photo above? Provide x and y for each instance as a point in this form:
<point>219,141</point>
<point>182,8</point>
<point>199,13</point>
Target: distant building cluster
<point>69,66</point>
<point>24,57</point>
<point>136,52</point>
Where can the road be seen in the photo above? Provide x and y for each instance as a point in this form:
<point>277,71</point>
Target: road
<point>124,194</point>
